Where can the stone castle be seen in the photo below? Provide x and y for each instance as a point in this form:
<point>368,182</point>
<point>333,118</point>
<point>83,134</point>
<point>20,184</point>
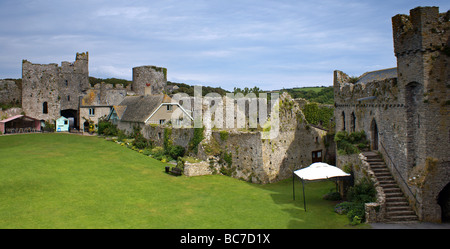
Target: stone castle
<point>49,91</point>
<point>405,111</point>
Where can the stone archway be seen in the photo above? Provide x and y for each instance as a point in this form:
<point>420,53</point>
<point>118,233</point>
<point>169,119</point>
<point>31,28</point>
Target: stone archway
<point>374,135</point>
<point>72,115</point>
<point>444,203</point>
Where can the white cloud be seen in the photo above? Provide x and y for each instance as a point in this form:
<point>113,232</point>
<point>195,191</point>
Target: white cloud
<point>123,12</point>
<point>109,71</point>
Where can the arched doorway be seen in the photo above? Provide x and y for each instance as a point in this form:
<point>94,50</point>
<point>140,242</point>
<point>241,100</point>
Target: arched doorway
<point>343,120</point>
<point>374,135</point>
<point>444,202</point>
<point>86,126</point>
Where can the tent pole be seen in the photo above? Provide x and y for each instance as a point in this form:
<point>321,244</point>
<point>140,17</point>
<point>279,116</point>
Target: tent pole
<point>304,200</point>
<point>293,188</point>
<point>336,183</point>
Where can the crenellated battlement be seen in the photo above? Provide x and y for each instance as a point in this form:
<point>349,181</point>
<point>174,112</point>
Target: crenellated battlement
<point>423,30</point>
<point>82,56</point>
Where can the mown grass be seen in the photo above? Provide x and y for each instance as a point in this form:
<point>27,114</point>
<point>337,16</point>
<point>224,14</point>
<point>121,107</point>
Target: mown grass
<point>71,181</point>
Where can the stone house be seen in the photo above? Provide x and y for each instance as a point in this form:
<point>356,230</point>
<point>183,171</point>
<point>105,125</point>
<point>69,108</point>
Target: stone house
<point>98,102</point>
<point>148,110</point>
<point>405,111</point>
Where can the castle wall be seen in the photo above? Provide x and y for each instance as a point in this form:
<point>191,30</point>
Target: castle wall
<point>377,103</point>
<point>73,81</point>
<point>411,110</point>
<point>10,92</point>
<point>39,86</point>
<point>180,137</point>
<point>422,45</point>
<point>268,160</point>
<point>57,88</point>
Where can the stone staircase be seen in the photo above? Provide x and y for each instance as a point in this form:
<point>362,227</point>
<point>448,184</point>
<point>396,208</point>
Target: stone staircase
<point>397,206</point>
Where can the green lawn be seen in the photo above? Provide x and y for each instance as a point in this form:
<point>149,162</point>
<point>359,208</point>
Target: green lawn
<point>314,89</point>
<point>71,181</point>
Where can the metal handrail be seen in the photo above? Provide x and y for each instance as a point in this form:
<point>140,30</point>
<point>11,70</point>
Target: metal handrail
<point>398,172</point>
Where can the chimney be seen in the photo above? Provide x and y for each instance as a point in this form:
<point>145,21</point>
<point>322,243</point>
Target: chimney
<point>148,89</point>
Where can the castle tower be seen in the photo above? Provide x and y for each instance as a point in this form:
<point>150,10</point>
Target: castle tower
<point>149,80</point>
<point>74,79</point>
<point>40,90</point>
<point>49,91</point>
<point>422,48</point>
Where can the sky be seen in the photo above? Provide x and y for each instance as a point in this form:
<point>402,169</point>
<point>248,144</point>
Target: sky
<point>233,43</point>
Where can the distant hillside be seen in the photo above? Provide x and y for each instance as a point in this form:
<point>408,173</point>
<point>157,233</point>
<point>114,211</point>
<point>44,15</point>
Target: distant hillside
<point>322,95</point>
<point>185,88</point>
<point>113,81</point>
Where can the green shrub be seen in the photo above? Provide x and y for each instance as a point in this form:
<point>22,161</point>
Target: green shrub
<point>49,127</point>
<point>318,115</point>
<point>350,143</point>
<point>363,192</point>
<point>157,151</point>
<point>358,195</point>
<point>196,139</point>
<point>223,135</point>
<point>167,140</point>
<point>106,128</point>
<point>176,151</point>
<point>180,163</point>
<point>140,141</point>
<point>121,135</point>
<point>332,196</point>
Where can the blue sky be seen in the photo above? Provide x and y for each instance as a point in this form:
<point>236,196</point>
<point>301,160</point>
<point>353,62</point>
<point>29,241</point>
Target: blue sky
<point>244,43</point>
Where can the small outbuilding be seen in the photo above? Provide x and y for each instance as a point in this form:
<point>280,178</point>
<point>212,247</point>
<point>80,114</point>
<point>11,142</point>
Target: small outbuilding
<point>62,124</point>
<point>19,124</point>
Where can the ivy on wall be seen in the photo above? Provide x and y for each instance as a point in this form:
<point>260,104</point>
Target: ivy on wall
<point>318,115</point>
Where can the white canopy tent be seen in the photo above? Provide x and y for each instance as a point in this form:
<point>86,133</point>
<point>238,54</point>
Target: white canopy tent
<point>316,171</point>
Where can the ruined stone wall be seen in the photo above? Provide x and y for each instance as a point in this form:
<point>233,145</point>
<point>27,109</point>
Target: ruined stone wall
<point>151,77</point>
<point>10,92</point>
<point>181,136</point>
<point>252,158</point>
<point>245,149</point>
<point>261,160</point>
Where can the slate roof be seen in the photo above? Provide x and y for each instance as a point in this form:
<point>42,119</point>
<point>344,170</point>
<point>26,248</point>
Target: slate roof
<point>378,75</point>
<point>139,108</point>
<point>119,110</point>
